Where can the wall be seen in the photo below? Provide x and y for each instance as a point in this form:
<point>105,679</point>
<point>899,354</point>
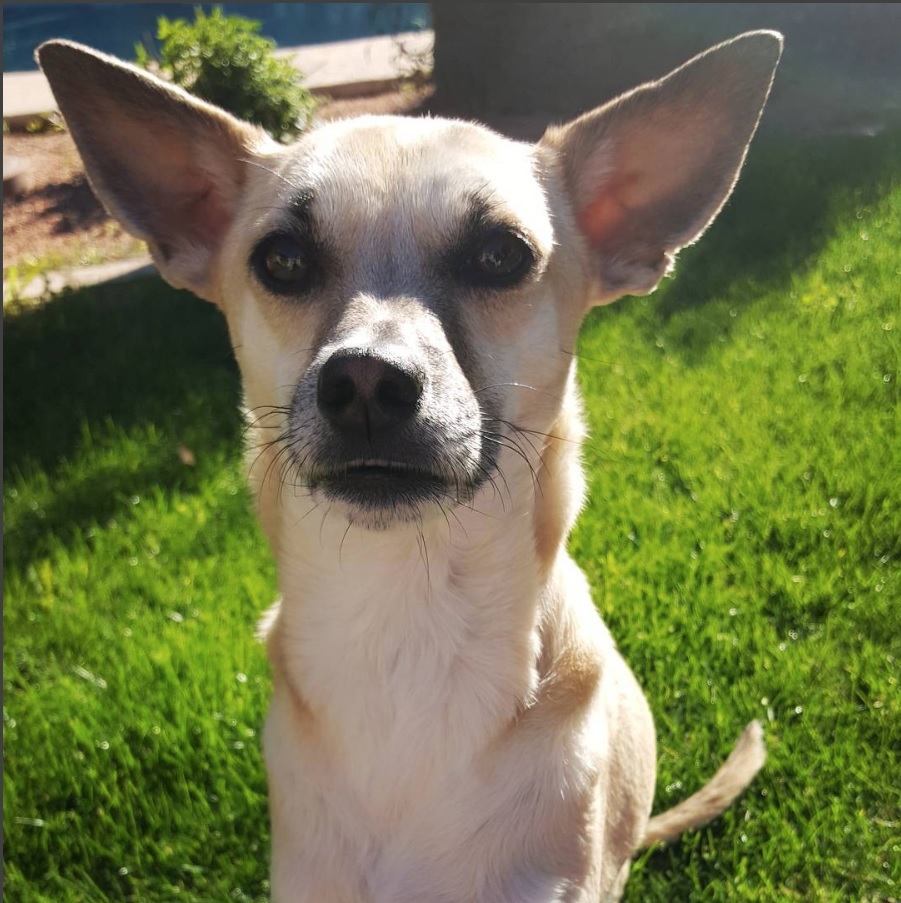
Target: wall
<point>841,70</point>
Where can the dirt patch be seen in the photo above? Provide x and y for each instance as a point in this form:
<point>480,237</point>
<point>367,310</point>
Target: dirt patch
<point>59,222</point>
<point>407,100</point>
<point>58,217</point>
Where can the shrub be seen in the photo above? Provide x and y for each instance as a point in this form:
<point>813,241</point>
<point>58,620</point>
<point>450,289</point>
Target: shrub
<point>223,60</point>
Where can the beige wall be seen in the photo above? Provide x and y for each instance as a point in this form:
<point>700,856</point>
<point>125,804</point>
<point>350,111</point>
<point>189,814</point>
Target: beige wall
<point>841,70</point>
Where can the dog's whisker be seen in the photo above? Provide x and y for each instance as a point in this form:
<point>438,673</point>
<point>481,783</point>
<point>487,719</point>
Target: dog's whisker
<point>542,435</point>
<point>503,443</point>
<point>325,514</point>
<point>507,442</point>
<point>305,515</point>
<point>341,545</point>
<point>263,447</point>
<point>505,386</point>
<point>489,477</point>
<point>252,162</point>
<point>517,433</point>
<point>424,553</point>
<point>268,410</point>
<point>450,530</point>
<point>511,444</point>
<point>582,357</point>
<point>294,463</point>
<point>278,462</point>
<point>516,385</point>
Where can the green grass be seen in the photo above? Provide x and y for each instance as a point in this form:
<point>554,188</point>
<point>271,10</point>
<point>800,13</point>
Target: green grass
<point>742,539</point>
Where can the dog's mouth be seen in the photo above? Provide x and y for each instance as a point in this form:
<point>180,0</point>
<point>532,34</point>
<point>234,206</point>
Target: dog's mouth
<point>377,483</point>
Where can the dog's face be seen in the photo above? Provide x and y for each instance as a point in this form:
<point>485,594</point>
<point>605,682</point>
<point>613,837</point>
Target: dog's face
<point>404,295</point>
<point>397,288</point>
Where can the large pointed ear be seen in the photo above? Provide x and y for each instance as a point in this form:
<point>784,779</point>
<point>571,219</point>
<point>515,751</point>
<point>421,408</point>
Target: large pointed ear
<point>169,167</point>
<point>648,172</point>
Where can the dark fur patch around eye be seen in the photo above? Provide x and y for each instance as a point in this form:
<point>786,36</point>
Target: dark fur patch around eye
<point>491,253</point>
<point>285,263</point>
<point>289,260</point>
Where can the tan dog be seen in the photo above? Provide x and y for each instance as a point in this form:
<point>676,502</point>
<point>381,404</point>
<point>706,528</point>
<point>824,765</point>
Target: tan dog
<point>451,720</point>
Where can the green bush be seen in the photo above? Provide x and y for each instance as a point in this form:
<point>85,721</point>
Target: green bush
<point>223,60</point>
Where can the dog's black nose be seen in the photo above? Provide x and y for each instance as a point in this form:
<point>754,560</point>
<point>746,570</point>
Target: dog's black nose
<point>364,393</point>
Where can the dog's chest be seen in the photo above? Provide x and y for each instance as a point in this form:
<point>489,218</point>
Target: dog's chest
<point>408,671</point>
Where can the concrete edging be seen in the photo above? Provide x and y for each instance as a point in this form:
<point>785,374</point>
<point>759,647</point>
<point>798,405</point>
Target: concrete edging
<point>53,283</point>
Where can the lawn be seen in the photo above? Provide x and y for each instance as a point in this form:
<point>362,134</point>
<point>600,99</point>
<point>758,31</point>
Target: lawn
<point>742,538</point>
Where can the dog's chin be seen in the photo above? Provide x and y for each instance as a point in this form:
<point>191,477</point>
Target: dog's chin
<point>382,495</point>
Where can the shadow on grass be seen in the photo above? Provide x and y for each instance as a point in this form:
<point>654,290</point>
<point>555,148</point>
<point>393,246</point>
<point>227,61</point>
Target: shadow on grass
<point>92,367</point>
<point>791,197</point>
<point>129,354</point>
<point>94,496</point>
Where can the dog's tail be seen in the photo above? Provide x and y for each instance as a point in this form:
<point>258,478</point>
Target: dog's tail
<point>717,795</point>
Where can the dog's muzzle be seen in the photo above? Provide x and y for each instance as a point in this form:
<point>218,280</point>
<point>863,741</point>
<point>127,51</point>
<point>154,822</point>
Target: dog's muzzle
<point>390,429</point>
<point>368,400</point>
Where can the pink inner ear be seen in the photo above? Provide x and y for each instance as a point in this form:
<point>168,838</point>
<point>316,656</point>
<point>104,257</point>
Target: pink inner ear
<point>599,218</point>
<point>607,210</point>
<point>193,211</point>
<point>205,215</point>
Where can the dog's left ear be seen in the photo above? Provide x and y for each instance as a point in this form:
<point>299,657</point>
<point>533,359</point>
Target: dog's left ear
<point>649,171</point>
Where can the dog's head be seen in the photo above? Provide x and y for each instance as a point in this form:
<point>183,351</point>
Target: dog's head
<point>404,295</point>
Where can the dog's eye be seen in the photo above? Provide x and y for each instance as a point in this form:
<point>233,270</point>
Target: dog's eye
<point>283,263</point>
<point>285,260</point>
<point>500,259</point>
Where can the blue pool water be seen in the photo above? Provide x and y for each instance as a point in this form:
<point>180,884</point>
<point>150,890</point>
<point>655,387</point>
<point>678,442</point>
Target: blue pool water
<point>117,27</point>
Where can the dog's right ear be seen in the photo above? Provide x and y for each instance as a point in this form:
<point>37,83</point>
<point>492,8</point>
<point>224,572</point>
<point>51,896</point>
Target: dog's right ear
<point>168,166</point>
<point>649,171</point>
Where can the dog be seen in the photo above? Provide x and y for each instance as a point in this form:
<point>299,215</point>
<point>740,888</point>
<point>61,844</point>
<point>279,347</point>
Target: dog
<point>451,720</point>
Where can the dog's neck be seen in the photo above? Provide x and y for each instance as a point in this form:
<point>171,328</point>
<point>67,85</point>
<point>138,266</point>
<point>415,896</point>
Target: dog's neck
<point>408,651</point>
<point>423,619</point>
